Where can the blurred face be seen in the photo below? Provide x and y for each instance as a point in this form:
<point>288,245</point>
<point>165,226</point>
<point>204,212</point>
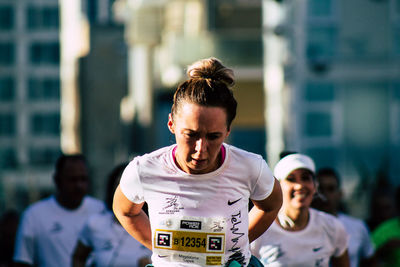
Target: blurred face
<point>73,181</point>
<point>298,189</point>
<point>199,133</point>
<point>327,186</point>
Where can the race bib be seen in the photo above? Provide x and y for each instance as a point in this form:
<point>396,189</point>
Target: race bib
<point>193,240</point>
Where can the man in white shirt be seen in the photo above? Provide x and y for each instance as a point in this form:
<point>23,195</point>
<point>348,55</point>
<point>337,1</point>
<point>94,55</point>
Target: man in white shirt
<point>361,249</point>
<point>49,228</point>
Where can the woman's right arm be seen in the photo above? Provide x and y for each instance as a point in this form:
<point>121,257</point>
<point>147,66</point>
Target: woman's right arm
<point>132,218</point>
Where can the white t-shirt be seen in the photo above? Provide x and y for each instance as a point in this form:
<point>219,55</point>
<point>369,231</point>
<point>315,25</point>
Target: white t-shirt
<point>198,220</point>
<point>48,233</point>
<point>323,237</point>
<point>360,245</point>
<point>111,244</point>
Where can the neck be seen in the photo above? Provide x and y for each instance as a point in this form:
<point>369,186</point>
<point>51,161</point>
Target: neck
<point>67,203</point>
<point>294,220</point>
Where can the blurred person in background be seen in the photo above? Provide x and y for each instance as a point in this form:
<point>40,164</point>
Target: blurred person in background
<point>49,229</point>
<point>300,235</point>
<point>361,250</point>
<point>382,206</point>
<point>104,237</point>
<point>8,230</point>
<point>198,189</point>
<point>386,238</point>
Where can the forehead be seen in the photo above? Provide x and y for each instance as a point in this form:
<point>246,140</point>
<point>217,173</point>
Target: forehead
<point>300,171</point>
<point>74,167</point>
<point>326,179</point>
<point>194,116</point>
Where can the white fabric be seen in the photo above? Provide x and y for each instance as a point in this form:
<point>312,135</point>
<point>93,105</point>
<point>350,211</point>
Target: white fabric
<point>48,233</point>
<point>172,193</point>
<point>360,244</point>
<point>111,244</point>
<point>293,162</point>
<point>323,237</point>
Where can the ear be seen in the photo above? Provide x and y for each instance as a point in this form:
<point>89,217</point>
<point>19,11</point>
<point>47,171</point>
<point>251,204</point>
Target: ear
<point>228,133</point>
<point>171,125</point>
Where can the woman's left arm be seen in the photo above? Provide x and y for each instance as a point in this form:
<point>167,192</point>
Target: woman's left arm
<point>341,261</point>
<point>80,254</point>
<point>264,212</point>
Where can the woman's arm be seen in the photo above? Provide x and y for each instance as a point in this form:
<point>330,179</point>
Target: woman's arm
<point>264,212</point>
<point>80,255</point>
<point>132,218</point>
<point>341,261</point>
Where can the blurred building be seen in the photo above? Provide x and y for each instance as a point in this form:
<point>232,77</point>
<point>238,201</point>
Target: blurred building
<point>318,76</point>
<point>341,92</point>
<point>29,98</point>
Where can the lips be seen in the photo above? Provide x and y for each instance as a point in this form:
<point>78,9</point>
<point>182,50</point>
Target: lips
<point>300,195</point>
<point>198,161</point>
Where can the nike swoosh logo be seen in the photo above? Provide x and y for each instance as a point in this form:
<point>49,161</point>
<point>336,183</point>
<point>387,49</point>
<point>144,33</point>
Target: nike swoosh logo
<point>162,256</point>
<point>316,249</point>
<point>230,203</point>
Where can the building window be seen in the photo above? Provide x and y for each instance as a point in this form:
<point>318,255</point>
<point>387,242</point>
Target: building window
<point>7,51</point>
<point>43,155</point>
<point>42,18</point>
<point>45,124</point>
<point>234,15</point>
<point>316,91</point>
<point>318,124</point>
<point>321,42</point>
<point>7,124</point>
<point>44,53</point>
<point>324,156</point>
<point>320,8</point>
<point>6,18</point>
<point>44,89</point>
<point>7,90</point>
<point>8,159</point>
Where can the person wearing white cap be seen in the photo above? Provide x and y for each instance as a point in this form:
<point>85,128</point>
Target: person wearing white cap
<point>300,235</point>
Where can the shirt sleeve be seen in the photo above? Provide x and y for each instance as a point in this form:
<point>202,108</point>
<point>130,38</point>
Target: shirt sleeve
<point>25,240</point>
<point>367,249</point>
<point>264,183</point>
<point>130,183</point>
<point>341,239</point>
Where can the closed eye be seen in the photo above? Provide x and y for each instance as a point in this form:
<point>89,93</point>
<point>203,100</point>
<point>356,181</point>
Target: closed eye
<point>213,136</point>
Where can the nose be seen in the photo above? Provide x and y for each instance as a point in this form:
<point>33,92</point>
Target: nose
<point>298,185</point>
<point>201,145</point>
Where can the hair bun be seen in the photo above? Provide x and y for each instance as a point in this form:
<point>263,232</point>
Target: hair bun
<point>211,69</point>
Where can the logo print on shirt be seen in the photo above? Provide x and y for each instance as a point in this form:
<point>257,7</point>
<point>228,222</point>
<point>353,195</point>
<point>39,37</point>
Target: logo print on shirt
<point>236,234</point>
<point>56,228</point>
<point>317,249</point>
<point>107,245</point>
<point>230,203</point>
<point>273,254</point>
<point>172,206</point>
<point>192,225</point>
<point>217,226</point>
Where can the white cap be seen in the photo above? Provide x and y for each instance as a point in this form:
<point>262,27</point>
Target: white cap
<point>293,162</point>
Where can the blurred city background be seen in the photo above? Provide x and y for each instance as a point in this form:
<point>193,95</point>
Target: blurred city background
<point>320,77</point>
